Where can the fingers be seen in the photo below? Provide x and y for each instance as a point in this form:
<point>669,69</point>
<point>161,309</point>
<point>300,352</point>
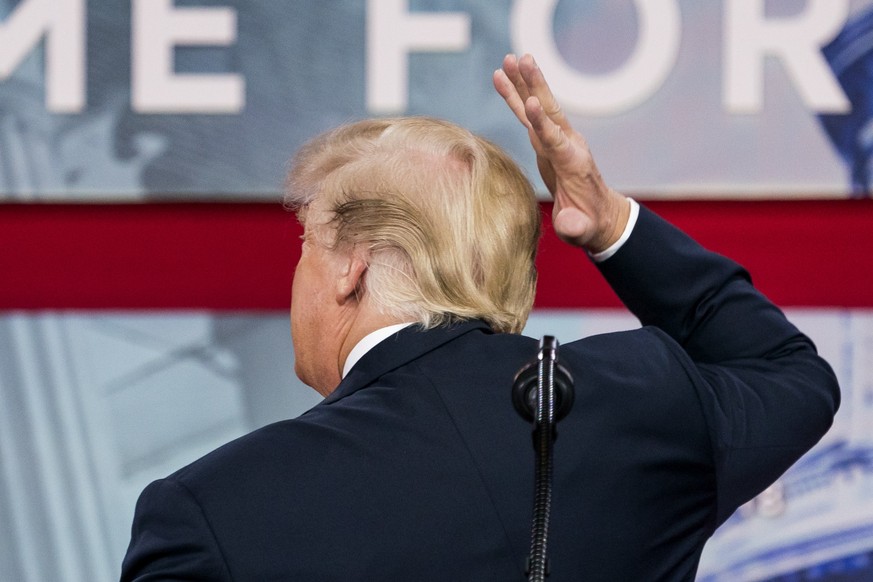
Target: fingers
<point>551,136</point>
<point>535,84</point>
<point>510,85</point>
<point>508,91</point>
<point>520,79</point>
<point>513,73</point>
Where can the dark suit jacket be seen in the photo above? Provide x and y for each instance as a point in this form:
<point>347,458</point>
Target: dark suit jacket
<point>418,468</point>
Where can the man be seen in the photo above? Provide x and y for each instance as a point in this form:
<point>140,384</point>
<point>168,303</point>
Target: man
<point>416,466</point>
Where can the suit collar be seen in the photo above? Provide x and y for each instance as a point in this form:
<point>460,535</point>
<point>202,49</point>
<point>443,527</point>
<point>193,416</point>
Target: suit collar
<point>397,350</point>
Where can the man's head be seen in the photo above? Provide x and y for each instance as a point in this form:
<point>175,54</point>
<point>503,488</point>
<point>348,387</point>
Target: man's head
<point>444,222</point>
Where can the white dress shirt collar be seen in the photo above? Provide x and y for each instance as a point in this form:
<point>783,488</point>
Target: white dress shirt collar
<point>368,342</point>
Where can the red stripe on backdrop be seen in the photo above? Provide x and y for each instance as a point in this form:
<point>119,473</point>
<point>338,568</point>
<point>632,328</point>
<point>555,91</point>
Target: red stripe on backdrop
<point>229,256</point>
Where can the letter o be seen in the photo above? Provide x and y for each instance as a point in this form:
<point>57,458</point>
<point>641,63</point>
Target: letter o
<point>660,32</point>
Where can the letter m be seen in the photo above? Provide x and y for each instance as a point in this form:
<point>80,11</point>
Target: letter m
<point>62,23</point>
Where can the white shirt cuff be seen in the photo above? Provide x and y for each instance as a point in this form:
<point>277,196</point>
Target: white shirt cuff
<point>628,229</point>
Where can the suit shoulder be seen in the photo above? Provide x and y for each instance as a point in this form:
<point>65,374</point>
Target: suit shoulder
<point>285,443</point>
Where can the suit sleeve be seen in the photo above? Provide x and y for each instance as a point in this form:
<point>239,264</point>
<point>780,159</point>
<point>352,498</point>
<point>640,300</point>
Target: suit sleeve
<point>766,395</point>
<point>171,538</point>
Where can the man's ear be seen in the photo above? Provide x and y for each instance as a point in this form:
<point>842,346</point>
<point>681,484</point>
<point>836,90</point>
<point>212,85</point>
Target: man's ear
<point>351,277</point>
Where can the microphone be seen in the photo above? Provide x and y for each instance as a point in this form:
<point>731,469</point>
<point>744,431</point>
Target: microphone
<point>542,393</point>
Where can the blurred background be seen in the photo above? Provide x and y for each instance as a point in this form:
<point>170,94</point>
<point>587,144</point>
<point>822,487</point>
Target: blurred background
<point>146,261</point>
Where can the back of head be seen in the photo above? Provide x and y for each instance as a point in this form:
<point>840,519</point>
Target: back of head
<point>448,221</point>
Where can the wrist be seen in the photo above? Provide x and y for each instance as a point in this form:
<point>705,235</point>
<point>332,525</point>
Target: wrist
<point>628,221</point>
<point>613,223</point>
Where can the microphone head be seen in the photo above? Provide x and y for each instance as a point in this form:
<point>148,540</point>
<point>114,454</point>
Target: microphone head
<point>524,387</point>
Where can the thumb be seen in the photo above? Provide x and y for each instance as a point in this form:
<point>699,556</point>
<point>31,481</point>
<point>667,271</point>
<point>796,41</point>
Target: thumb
<point>574,226</point>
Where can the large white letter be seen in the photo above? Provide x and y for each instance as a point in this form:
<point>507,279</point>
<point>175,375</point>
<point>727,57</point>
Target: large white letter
<point>660,31</point>
<point>749,38</point>
<point>63,24</point>
<point>392,33</point>
<point>157,28</point>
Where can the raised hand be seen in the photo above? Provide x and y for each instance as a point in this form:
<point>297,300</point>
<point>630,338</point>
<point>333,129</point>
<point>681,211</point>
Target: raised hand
<point>588,213</point>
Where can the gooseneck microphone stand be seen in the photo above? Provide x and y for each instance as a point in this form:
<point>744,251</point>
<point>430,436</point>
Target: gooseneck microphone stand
<point>542,394</point>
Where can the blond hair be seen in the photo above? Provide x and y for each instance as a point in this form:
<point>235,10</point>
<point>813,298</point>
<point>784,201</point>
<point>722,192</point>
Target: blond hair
<point>448,220</point>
